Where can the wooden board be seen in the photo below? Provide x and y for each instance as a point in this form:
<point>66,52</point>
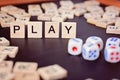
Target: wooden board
<point>9,2</point>
<point>110,2</point>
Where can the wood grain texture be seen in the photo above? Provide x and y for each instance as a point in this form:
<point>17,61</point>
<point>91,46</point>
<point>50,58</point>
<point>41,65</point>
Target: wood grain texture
<point>9,2</point>
<point>110,2</point>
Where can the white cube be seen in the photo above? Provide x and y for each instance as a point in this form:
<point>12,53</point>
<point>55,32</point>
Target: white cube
<point>74,46</point>
<point>90,51</point>
<point>112,54</point>
<point>95,40</point>
<point>113,41</point>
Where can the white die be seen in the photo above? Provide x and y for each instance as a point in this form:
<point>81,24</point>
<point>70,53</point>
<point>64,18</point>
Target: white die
<point>95,40</point>
<point>112,54</point>
<point>75,46</point>
<point>90,51</point>
<point>113,41</point>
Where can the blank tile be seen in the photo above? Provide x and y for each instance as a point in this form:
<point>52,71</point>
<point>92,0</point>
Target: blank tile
<point>52,72</point>
<point>69,29</point>
<point>34,29</point>
<point>17,30</point>
<point>51,29</point>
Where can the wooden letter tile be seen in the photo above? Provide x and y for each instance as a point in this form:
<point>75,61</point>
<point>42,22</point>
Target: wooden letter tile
<point>23,19</point>
<point>34,9</point>
<point>68,13</point>
<point>17,30</point>
<point>26,67</point>
<point>68,4</point>
<point>49,5</point>
<point>34,29</point>
<point>35,12</point>
<point>4,75</point>
<point>52,72</point>
<point>68,29</point>
<point>117,22</point>
<point>35,6</point>
<point>51,12</point>
<point>4,42</point>
<point>2,57</point>
<point>90,15</point>
<point>52,29</point>
<point>93,20</point>
<point>6,66</point>
<point>27,76</point>
<point>11,51</point>
<point>79,11</point>
<point>113,30</point>
<point>58,18</point>
<point>5,20</point>
<point>44,17</point>
<point>109,15</point>
<point>104,22</point>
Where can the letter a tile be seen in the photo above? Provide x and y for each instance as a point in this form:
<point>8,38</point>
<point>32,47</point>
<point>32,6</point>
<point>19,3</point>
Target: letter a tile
<point>52,29</point>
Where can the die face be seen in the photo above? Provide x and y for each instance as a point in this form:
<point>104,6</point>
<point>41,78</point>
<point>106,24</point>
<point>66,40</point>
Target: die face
<point>74,46</point>
<point>113,41</point>
<point>96,40</point>
<point>112,54</point>
<point>90,51</point>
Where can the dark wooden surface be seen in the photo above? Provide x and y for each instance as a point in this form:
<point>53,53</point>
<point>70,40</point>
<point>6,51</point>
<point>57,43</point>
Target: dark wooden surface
<point>54,51</point>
